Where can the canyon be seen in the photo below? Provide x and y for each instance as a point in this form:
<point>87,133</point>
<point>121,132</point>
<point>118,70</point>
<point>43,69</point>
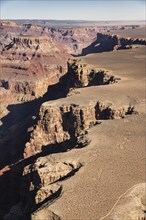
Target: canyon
<point>72,122</point>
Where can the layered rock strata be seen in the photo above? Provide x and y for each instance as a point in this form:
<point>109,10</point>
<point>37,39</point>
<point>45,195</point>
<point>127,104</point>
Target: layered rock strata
<point>69,122</point>
<point>80,75</point>
<point>34,63</point>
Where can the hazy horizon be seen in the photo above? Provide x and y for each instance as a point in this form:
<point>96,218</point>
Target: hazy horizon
<point>80,20</point>
<point>73,10</point>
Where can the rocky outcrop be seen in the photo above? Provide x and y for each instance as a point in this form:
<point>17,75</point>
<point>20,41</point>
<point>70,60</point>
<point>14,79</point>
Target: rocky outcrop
<point>6,99</point>
<point>46,192</point>
<point>105,43</point>
<point>80,75</point>
<point>131,205</point>
<point>21,211</point>
<point>69,122</point>
<point>39,185</point>
<point>46,171</point>
<point>44,214</point>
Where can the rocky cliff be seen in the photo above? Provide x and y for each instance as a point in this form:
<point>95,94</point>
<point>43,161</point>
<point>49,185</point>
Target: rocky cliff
<point>107,42</point>
<point>69,123</point>
<point>73,39</point>
<point>79,75</point>
<point>30,64</point>
<point>29,47</point>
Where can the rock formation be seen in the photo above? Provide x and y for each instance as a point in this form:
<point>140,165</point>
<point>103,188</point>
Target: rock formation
<point>73,39</point>
<point>79,75</point>
<point>34,63</point>
<point>44,214</point>
<point>68,122</point>
<point>46,171</point>
<point>107,42</point>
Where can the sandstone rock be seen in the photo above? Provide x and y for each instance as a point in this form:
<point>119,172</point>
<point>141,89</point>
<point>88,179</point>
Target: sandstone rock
<point>80,75</point>
<point>69,122</point>
<point>45,192</point>
<point>44,214</point>
<point>58,124</point>
<point>39,180</point>
<point>45,171</point>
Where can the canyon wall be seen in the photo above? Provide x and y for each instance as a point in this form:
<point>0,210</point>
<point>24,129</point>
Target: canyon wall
<point>26,61</point>
<point>107,42</point>
<point>69,123</point>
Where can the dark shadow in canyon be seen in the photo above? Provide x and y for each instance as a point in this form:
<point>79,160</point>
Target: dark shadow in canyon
<point>14,131</point>
<point>107,43</point>
<point>14,135</point>
<point>14,194</point>
<point>12,191</point>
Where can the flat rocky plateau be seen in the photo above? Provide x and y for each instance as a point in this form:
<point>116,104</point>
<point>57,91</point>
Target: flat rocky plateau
<point>114,161</point>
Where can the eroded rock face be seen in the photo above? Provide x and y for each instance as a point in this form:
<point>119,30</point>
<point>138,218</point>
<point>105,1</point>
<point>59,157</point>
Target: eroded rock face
<point>44,214</point>
<point>39,184</point>
<point>81,75</point>
<point>39,180</point>
<point>45,192</point>
<point>61,123</point>
<point>5,98</point>
<point>28,47</point>
<point>73,39</point>
<point>131,205</point>
<point>46,171</point>
<point>34,64</point>
<point>106,42</point>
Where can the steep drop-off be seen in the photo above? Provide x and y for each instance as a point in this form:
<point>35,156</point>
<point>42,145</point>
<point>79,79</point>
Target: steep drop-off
<point>107,42</point>
<point>30,64</point>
